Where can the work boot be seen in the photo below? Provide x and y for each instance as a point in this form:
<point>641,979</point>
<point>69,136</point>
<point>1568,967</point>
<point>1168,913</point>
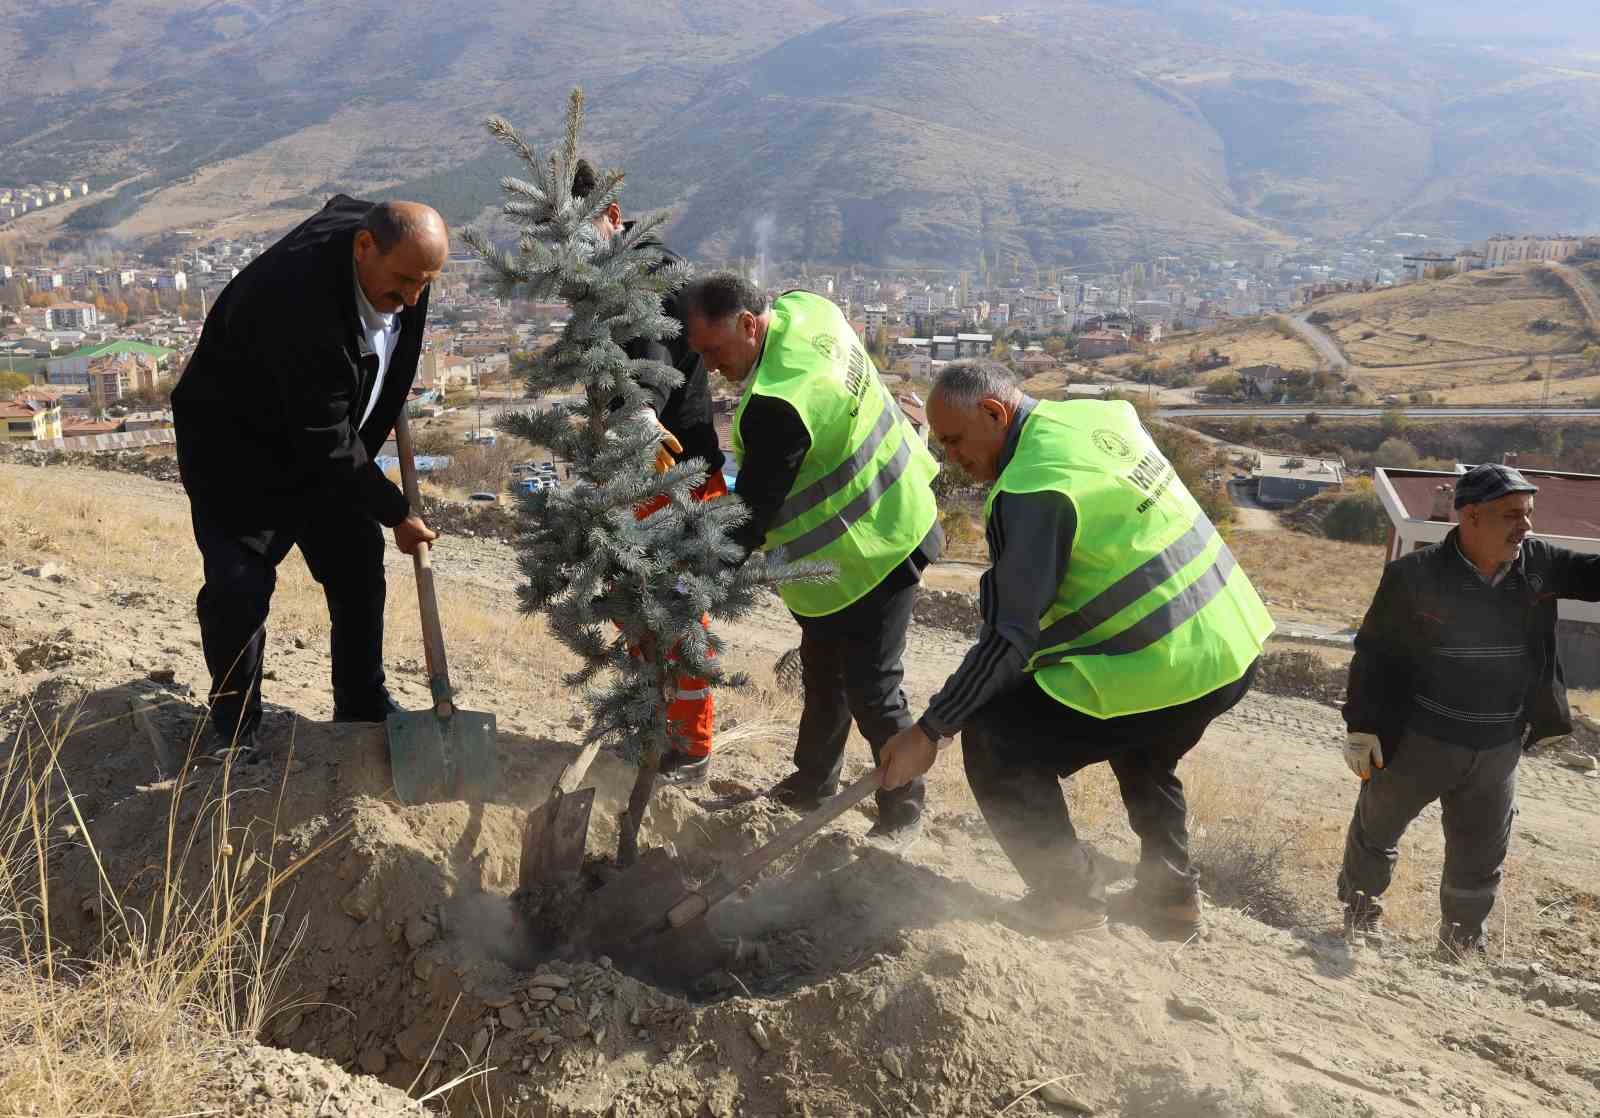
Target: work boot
<point>684,770</point>
<point>1166,918</point>
<point>1054,917</point>
<point>215,748</point>
<point>1458,946</point>
<point>898,827</point>
<point>374,708</point>
<point>1363,920</point>
<point>801,793</point>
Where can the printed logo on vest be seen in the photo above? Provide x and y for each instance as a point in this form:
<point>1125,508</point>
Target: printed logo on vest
<point>825,344</point>
<point>1112,444</point>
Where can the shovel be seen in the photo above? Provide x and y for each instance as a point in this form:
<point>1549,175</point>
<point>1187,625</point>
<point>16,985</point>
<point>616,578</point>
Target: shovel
<point>650,916</point>
<point>444,753</point>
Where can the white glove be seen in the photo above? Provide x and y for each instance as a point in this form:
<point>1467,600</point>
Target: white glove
<point>1363,753</point>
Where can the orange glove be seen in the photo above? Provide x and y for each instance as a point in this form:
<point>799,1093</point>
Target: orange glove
<point>668,450</point>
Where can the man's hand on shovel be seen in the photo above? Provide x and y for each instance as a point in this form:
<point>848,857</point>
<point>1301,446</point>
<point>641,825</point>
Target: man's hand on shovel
<point>906,756</point>
<point>410,532</point>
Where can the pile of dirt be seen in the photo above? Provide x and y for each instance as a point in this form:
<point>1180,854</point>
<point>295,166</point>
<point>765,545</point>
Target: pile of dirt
<point>1301,675</point>
<point>405,958</point>
<point>860,981</point>
<point>947,609</point>
<point>161,467</point>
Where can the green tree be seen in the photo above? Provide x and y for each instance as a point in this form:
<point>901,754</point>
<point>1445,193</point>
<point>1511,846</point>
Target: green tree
<point>12,383</point>
<point>1357,517</point>
<point>1396,453</point>
<point>606,580</point>
<point>1393,422</point>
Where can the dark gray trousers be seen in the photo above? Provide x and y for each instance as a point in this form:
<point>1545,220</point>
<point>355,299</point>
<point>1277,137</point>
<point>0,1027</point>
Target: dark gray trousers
<point>1476,790</point>
<point>850,664</point>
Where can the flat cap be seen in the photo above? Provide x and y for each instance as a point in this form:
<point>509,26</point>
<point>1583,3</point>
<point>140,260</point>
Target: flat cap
<point>1489,483</point>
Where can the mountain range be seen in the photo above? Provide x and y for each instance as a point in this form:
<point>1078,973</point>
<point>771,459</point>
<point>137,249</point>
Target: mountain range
<point>847,130</point>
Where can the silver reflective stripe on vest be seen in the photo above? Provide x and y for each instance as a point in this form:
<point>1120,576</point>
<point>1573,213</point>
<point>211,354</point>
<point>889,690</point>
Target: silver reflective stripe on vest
<point>838,524</point>
<point>1131,587</point>
<point>835,480</point>
<point>1158,623</point>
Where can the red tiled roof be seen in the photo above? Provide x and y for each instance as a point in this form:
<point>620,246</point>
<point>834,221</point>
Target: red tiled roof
<point>1567,504</point>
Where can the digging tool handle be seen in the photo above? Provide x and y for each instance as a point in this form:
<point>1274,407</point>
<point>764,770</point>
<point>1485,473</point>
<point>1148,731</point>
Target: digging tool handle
<point>432,632</point>
<point>735,874</point>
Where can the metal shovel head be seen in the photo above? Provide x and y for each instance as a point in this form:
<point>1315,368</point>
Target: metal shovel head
<point>434,759</point>
<point>627,919</point>
<point>555,838</point>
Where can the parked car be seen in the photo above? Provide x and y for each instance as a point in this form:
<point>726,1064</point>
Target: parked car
<point>483,498</point>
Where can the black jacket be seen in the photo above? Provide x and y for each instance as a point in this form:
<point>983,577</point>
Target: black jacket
<point>267,408</point>
<point>1415,594</point>
<point>685,410</point>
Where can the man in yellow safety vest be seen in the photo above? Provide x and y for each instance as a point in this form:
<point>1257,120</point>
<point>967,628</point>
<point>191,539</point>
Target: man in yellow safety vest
<point>1116,627</point>
<point>832,473</point>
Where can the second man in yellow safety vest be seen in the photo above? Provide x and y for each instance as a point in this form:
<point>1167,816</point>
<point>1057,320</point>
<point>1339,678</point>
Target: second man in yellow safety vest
<point>832,473</point>
<point>1116,627</point>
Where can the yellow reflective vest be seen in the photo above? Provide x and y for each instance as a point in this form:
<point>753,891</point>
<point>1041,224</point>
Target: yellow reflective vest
<point>862,499</point>
<point>1153,611</point>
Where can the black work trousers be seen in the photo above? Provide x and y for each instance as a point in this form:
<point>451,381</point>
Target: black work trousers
<point>850,666</point>
<point>1017,748</point>
<point>343,547</point>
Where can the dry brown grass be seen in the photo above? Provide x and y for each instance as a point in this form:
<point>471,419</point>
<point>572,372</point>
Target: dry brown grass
<point>137,1029</point>
<point>1253,342</point>
<point>1306,577</point>
<point>490,644</point>
<point>1479,314</point>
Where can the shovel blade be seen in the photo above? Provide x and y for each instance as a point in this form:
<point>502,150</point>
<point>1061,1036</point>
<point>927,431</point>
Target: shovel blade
<point>555,838</point>
<point>435,758</point>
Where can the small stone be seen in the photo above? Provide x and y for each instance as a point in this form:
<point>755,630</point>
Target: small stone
<point>600,1035</point>
<point>544,1053</point>
<point>551,981</point>
<point>1190,1011</point>
<point>497,999</point>
<point>420,932</point>
<point>891,1064</point>
<point>1583,762</point>
<point>422,968</point>
<point>163,675</point>
<point>299,642</point>
<point>511,1017</point>
<point>372,1060</point>
<point>566,1004</point>
<point>480,1044</point>
<point>540,994</point>
<point>758,1033</point>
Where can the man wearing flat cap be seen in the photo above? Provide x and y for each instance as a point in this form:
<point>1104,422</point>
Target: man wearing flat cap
<point>1455,668</point>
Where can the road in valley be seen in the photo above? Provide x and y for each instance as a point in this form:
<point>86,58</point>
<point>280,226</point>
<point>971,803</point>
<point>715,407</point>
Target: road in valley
<point>1319,340</point>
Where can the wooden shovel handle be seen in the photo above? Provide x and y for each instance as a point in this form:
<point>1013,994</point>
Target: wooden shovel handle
<point>735,874</point>
<point>427,601</point>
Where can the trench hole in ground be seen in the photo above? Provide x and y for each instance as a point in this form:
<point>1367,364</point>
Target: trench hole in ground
<point>833,907</point>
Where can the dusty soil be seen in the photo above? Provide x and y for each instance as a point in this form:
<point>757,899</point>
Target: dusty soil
<point>881,983</point>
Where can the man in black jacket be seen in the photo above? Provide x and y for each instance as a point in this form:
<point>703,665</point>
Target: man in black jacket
<point>1455,667</point>
<point>303,365</point>
<point>687,431</point>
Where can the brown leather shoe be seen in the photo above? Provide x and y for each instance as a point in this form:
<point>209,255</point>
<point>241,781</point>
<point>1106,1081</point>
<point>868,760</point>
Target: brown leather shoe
<point>1053,917</point>
<point>1163,919</point>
